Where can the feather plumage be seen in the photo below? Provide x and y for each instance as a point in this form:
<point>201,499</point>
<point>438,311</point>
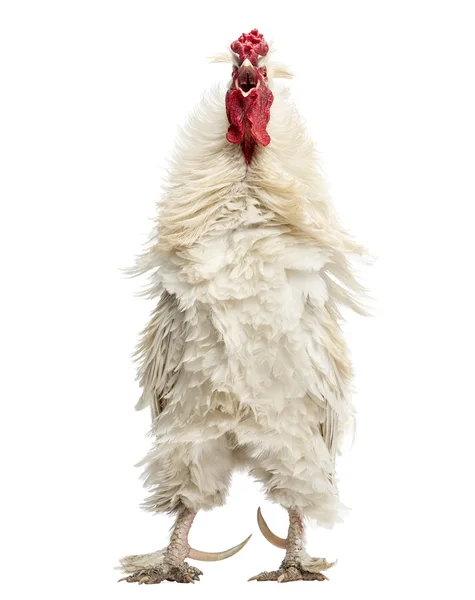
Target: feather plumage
<point>244,353</point>
<point>160,352</point>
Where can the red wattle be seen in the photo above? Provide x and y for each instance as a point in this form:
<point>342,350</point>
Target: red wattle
<point>248,117</point>
<point>235,113</point>
<point>258,115</point>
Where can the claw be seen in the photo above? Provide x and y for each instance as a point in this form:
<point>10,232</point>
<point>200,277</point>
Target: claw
<point>213,556</point>
<point>267,533</point>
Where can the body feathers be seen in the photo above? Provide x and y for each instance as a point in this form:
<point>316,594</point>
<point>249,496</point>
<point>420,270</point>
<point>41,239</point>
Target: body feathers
<point>243,359</point>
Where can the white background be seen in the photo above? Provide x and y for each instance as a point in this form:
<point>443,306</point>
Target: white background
<point>91,96</point>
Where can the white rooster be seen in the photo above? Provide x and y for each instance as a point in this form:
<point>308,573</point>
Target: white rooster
<point>243,361</point>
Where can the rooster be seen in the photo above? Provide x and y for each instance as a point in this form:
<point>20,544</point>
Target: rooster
<point>242,362</point>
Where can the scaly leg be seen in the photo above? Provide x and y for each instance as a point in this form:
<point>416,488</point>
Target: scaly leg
<point>297,564</point>
<point>169,564</point>
<point>166,564</point>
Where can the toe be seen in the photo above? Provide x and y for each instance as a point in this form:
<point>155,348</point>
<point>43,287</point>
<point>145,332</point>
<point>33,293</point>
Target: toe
<point>314,577</point>
<point>194,573</point>
<point>290,574</point>
<point>266,576</point>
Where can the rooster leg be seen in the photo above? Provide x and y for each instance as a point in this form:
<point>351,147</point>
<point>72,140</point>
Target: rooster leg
<point>297,564</point>
<point>167,564</point>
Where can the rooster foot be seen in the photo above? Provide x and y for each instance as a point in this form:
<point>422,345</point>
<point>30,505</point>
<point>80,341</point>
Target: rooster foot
<point>182,573</point>
<point>293,572</point>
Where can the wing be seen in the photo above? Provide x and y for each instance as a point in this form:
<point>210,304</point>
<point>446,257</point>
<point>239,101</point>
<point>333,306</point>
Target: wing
<point>333,372</point>
<point>159,354</point>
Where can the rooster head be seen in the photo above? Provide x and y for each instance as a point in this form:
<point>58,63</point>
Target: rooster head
<point>248,99</point>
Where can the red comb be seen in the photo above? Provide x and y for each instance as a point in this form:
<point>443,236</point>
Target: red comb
<point>250,45</point>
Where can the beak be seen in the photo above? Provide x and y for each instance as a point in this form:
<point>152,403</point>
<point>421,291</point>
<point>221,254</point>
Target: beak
<point>246,79</point>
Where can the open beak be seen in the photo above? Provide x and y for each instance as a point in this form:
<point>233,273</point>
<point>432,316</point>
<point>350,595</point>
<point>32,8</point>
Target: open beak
<point>247,79</point>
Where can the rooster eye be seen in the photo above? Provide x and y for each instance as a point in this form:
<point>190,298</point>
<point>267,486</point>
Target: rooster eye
<point>264,72</point>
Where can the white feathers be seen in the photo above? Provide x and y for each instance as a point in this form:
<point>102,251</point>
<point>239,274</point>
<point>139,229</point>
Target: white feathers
<point>160,352</point>
<point>243,359</point>
<point>227,56</point>
<point>278,70</point>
